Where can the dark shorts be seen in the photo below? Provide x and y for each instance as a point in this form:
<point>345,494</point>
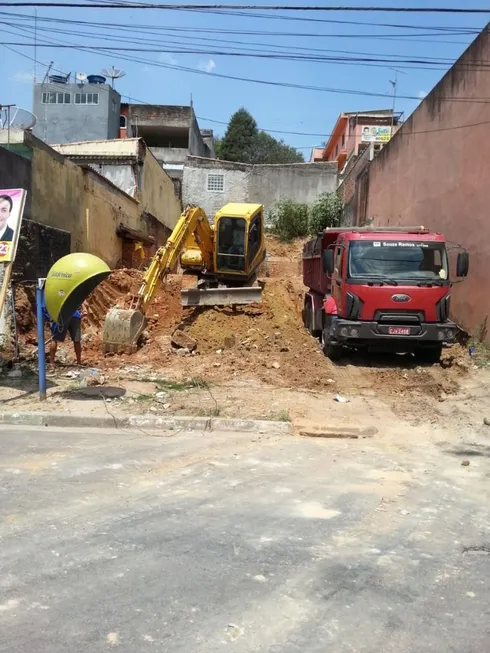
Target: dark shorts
<point>74,328</point>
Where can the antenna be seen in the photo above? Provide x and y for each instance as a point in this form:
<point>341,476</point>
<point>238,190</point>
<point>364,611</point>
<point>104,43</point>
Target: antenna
<point>113,73</point>
<point>12,117</point>
<point>81,77</point>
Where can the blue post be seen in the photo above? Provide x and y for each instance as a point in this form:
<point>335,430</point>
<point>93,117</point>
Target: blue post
<point>41,354</point>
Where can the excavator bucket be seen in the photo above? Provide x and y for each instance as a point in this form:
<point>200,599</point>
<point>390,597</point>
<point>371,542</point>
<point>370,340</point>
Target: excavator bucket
<point>122,328</point>
<point>221,296</point>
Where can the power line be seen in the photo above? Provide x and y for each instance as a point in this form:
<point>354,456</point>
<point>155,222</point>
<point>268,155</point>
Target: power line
<point>194,30</point>
<point>398,134</point>
<point>276,83</point>
<point>423,64</point>
<point>133,5</point>
<point>448,29</point>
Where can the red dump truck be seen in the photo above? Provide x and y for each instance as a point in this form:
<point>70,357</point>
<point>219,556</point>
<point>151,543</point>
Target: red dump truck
<point>381,288</point>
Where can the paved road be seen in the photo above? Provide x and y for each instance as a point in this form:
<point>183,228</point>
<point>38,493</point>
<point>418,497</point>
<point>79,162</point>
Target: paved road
<point>196,543</point>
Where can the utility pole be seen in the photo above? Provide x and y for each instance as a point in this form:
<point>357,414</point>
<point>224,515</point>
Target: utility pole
<point>394,83</point>
<point>35,46</point>
<point>7,107</point>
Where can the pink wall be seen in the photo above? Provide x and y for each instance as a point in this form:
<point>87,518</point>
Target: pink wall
<point>441,179</point>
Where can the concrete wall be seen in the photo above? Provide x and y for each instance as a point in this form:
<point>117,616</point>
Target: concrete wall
<point>349,190</point>
<point>266,184</point>
<point>435,172</point>
<point>158,193</point>
<point>170,154</point>
<point>197,146</point>
<point>15,172</point>
<point>69,123</point>
<point>76,199</point>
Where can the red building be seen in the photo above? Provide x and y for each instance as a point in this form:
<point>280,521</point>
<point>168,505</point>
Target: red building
<point>356,131</point>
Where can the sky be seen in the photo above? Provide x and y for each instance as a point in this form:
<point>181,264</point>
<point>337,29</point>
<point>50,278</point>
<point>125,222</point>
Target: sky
<point>157,77</point>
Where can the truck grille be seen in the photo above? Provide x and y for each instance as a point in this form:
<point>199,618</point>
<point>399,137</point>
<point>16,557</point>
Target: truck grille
<point>399,318</point>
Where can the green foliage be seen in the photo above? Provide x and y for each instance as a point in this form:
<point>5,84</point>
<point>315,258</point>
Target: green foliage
<point>237,142</point>
<point>244,142</point>
<point>289,220</point>
<point>325,212</point>
<point>218,142</point>
<point>266,149</point>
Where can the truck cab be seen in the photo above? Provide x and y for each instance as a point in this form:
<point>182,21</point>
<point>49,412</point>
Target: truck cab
<point>380,288</point>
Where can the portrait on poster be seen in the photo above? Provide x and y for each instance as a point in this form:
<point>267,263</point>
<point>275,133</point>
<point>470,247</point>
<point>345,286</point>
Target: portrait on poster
<point>12,202</point>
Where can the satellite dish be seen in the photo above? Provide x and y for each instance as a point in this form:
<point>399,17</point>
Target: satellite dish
<point>15,118</point>
<point>81,77</point>
<point>112,73</point>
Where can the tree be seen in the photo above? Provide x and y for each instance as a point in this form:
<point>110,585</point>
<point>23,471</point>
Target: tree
<point>236,144</point>
<point>289,220</point>
<point>217,147</point>
<point>325,212</point>
<point>266,149</point>
<point>245,143</point>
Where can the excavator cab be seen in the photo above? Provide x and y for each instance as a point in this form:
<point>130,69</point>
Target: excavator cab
<point>239,247</point>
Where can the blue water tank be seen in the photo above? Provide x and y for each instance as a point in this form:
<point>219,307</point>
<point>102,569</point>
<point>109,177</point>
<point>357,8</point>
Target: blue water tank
<point>96,79</point>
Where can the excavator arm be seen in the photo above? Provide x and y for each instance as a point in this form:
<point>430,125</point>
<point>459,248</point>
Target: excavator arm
<point>193,220</point>
<point>122,327</point>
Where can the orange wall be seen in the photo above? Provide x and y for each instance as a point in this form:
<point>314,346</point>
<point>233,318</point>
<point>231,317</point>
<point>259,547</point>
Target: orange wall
<point>436,172</point>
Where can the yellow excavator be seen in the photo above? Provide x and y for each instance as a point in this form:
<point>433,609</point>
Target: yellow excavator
<point>225,257</point>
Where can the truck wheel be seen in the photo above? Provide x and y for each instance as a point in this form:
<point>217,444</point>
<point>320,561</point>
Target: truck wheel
<point>308,319</point>
<point>307,314</point>
<point>429,354</point>
<point>331,350</point>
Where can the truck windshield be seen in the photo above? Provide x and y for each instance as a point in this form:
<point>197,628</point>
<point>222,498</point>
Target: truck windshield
<point>398,260</point>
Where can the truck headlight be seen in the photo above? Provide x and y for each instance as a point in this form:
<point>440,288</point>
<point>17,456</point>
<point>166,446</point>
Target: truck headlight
<point>354,333</point>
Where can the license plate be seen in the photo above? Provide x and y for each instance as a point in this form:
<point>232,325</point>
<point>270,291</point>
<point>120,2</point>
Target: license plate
<point>399,331</point>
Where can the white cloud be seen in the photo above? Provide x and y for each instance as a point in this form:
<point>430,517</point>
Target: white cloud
<point>23,77</point>
<point>166,57</point>
<point>207,66</point>
<point>422,94</point>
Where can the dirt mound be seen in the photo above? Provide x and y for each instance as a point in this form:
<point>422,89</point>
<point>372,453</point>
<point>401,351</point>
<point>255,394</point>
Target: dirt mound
<point>265,342</point>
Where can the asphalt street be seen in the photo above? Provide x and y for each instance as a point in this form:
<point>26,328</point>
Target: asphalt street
<point>225,541</point>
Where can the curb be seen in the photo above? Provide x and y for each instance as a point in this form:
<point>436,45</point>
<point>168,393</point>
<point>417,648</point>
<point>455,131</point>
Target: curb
<point>147,421</point>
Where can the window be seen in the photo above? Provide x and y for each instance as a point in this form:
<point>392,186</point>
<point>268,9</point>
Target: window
<point>56,98</point>
<point>231,244</point>
<point>337,150</point>
<point>123,122</point>
<point>338,260</point>
<point>216,183</point>
<point>86,98</point>
<point>398,260</point>
<point>343,140</point>
<point>254,237</point>
<point>114,106</point>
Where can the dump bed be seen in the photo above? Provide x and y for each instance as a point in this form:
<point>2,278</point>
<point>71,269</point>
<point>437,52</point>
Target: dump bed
<point>314,277</point>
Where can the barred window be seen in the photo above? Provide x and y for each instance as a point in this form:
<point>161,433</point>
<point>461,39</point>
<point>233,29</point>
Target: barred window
<point>216,183</point>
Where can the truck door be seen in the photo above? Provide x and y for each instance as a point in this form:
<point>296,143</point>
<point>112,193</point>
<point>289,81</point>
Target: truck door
<point>337,277</point>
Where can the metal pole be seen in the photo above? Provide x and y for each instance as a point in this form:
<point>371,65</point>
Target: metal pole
<point>35,46</point>
<point>14,320</point>
<point>41,353</point>
<point>8,126</point>
<point>395,84</point>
